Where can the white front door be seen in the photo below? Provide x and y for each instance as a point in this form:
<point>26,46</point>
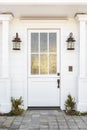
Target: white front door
<point>43,68</point>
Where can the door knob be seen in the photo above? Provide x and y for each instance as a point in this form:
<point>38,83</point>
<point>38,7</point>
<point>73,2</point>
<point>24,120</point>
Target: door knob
<point>58,82</point>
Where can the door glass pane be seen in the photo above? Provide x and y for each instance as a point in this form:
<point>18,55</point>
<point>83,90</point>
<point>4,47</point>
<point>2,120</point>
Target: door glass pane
<point>34,42</point>
<point>52,64</point>
<point>43,64</point>
<point>34,64</point>
<point>43,42</point>
<point>52,42</point>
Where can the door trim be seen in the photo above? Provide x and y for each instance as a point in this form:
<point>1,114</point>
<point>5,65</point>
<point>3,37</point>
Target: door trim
<point>59,77</point>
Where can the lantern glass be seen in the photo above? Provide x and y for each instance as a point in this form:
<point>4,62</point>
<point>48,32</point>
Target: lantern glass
<point>70,45</point>
<point>16,42</point>
<point>16,45</point>
<point>70,42</point>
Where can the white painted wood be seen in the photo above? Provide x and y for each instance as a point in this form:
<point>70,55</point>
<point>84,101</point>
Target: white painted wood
<point>19,59</point>
<point>82,80</point>
<point>6,17</point>
<point>82,94</point>
<point>35,2</point>
<point>43,92</point>
<point>43,89</point>
<point>81,17</point>
<point>83,40</point>
<point>5,93</point>
<point>5,51</point>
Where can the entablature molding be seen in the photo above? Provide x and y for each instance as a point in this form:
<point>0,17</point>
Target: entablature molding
<point>81,17</point>
<point>6,17</point>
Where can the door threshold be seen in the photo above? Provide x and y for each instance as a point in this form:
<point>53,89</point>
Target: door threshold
<point>44,108</point>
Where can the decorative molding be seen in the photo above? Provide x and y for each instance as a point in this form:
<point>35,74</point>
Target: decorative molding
<point>42,18</point>
<point>81,16</point>
<point>7,13</point>
<point>7,16</point>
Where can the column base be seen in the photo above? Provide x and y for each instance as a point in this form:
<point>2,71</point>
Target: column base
<point>5,107</point>
<point>5,95</point>
<point>82,107</point>
<point>82,94</point>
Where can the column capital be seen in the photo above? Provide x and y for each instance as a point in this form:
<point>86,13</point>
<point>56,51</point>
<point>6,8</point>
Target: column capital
<point>81,17</point>
<point>6,17</point>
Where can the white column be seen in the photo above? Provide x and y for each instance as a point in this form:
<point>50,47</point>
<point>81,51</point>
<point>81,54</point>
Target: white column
<point>5,49</point>
<point>82,77</point>
<point>83,42</point>
<point>5,87</point>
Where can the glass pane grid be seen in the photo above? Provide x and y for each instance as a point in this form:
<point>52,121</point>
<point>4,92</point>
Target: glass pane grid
<point>44,55</point>
<point>52,53</point>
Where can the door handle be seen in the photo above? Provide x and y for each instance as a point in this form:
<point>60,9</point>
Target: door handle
<point>58,82</point>
<point>58,74</point>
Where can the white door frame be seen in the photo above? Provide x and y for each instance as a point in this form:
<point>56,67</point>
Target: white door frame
<point>58,52</point>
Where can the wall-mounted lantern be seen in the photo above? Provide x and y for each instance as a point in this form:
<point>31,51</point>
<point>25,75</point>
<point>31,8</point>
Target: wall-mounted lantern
<point>70,42</point>
<point>16,42</point>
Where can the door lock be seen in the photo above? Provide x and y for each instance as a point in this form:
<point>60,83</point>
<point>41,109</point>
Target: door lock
<point>58,82</point>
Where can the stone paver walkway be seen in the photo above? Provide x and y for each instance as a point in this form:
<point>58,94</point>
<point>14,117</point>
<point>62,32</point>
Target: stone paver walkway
<point>43,120</point>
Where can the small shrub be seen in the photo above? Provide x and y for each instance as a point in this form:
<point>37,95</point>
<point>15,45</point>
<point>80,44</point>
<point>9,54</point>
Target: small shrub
<point>69,104</point>
<point>84,114</point>
<point>16,106</point>
<point>78,113</point>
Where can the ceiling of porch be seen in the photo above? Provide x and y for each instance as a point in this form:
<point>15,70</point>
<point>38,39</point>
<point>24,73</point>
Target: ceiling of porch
<point>44,10</point>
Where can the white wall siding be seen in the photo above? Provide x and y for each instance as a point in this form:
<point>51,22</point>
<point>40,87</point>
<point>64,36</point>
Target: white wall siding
<point>18,59</point>
<point>18,63</point>
<point>0,48</point>
<point>69,80</point>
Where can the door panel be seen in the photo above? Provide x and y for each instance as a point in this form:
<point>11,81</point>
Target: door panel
<point>44,92</point>
<point>43,66</point>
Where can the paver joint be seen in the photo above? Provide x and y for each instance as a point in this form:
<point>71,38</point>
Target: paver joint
<point>43,120</point>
